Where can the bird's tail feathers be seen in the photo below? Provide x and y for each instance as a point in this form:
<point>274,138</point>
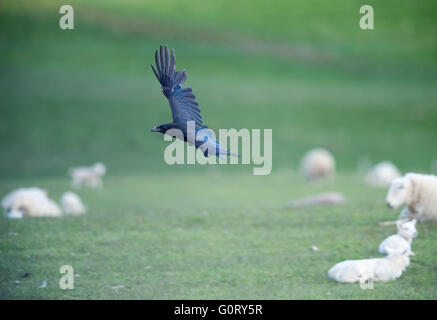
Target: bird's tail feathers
<point>166,72</point>
<point>221,156</point>
<point>224,151</point>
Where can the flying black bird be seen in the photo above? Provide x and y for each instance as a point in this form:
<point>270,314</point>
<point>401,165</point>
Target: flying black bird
<point>184,107</point>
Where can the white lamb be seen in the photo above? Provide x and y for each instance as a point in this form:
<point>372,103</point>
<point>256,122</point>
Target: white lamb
<point>382,174</point>
<point>31,202</point>
<point>402,240</point>
<point>71,204</point>
<point>418,192</point>
<point>317,163</point>
<point>88,176</point>
<point>378,269</point>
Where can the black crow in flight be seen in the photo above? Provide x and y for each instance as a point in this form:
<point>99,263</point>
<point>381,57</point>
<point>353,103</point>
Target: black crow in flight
<point>184,107</point>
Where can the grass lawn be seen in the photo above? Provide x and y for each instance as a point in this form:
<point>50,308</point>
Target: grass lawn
<point>231,238</point>
<point>71,98</point>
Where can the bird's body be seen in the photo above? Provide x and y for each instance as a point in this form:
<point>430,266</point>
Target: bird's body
<point>184,108</point>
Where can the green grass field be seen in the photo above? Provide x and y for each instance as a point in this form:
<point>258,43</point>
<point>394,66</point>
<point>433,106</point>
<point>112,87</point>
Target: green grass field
<point>306,70</point>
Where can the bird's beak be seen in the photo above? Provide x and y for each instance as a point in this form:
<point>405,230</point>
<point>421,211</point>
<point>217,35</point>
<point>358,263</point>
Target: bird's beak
<point>155,129</point>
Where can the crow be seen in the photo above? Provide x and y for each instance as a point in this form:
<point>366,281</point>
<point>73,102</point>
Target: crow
<point>184,108</point>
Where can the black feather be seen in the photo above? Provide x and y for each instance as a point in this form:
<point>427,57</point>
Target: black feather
<point>183,105</point>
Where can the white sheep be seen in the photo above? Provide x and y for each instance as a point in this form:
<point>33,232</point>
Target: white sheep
<point>317,163</point>
<point>327,198</point>
<point>418,192</point>
<point>32,202</point>
<point>402,240</point>
<point>71,204</point>
<point>382,174</point>
<point>377,269</point>
<point>88,176</point>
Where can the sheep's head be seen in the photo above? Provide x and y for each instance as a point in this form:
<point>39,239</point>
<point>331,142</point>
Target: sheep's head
<point>99,169</point>
<point>398,192</point>
<point>407,229</point>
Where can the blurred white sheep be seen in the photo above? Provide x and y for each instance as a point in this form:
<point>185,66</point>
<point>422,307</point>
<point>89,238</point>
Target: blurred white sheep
<point>319,199</point>
<point>317,163</point>
<point>377,269</point>
<point>402,240</point>
<point>382,174</point>
<point>72,204</point>
<point>88,176</point>
<point>418,192</point>
<point>29,202</point>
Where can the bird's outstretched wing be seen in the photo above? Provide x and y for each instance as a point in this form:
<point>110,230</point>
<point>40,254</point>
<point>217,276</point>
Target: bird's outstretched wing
<point>182,101</point>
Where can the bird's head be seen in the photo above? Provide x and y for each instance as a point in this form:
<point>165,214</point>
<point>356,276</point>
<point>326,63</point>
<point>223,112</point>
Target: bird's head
<point>156,129</point>
<point>161,128</point>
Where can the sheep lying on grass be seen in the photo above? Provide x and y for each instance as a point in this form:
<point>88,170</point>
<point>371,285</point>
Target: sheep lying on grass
<point>319,199</point>
<point>382,174</point>
<point>88,176</point>
<point>418,192</point>
<point>29,202</point>
<point>71,204</point>
<point>402,240</point>
<point>378,269</point>
<point>34,202</point>
<point>317,163</point>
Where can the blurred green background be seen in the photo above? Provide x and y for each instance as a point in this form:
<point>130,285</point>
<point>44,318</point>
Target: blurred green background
<point>304,69</point>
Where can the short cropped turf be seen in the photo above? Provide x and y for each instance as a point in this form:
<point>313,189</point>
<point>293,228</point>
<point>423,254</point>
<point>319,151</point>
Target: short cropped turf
<point>208,237</point>
<point>304,70</point>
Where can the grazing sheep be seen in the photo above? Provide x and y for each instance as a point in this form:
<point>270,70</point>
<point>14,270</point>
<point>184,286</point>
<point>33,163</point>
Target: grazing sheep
<point>402,240</point>
<point>88,176</point>
<point>320,199</point>
<point>71,204</point>
<point>418,192</point>
<point>29,202</point>
<point>317,163</point>
<point>382,174</point>
<point>379,269</point>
